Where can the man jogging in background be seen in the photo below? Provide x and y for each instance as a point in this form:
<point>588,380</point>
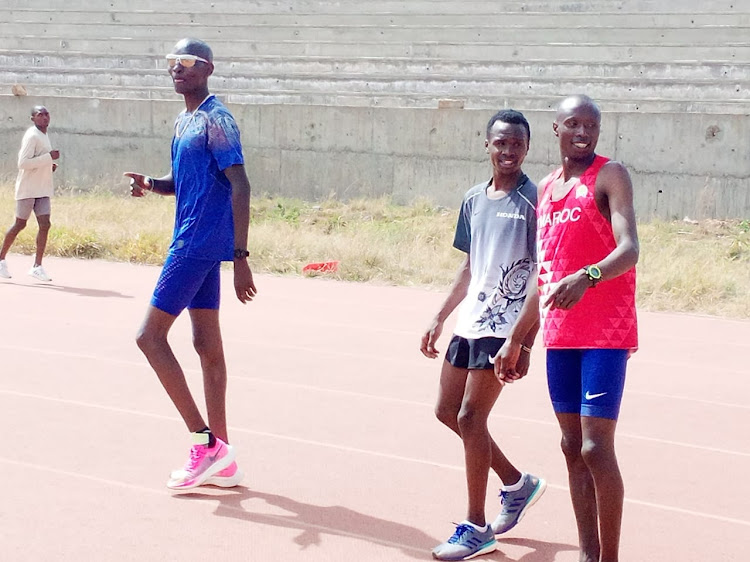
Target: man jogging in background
<point>34,188</point>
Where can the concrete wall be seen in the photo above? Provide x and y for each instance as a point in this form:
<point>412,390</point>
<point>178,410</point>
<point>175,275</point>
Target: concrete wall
<point>342,98</point>
<point>690,164</point>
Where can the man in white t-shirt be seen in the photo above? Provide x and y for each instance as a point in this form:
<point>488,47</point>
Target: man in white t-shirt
<point>497,231</point>
<point>33,190</point>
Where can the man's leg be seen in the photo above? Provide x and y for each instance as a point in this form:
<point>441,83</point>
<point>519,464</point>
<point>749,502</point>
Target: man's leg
<point>208,344</point>
<point>152,340</point>
<point>482,390</point>
<point>564,379</point>
<point>181,282</point>
<point>450,398</point>
<point>474,537</point>
<point>602,383</point>
<point>41,237</point>
<point>599,453</point>
<point>582,491</point>
<point>10,236</point>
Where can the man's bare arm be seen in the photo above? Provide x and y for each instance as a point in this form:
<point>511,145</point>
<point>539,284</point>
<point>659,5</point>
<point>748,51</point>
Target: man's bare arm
<point>457,293</point>
<point>244,285</point>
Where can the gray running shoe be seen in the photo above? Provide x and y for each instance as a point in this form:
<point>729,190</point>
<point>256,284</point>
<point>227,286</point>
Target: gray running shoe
<point>467,542</point>
<point>515,504</point>
<point>4,273</point>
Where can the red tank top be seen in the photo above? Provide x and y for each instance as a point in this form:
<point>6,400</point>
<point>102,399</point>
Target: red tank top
<point>572,233</point>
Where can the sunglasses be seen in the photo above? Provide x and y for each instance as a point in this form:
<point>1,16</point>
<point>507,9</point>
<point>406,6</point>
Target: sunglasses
<point>187,61</point>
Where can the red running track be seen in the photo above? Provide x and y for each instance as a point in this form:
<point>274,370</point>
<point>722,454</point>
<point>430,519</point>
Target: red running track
<point>330,408</point>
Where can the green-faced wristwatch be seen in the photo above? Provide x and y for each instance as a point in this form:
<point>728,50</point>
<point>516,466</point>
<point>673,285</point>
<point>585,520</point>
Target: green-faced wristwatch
<point>593,273</point>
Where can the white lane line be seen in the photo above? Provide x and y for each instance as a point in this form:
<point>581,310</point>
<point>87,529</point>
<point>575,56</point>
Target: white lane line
<point>360,395</point>
<point>416,403</point>
<point>296,349</point>
<point>689,399</point>
<point>359,356</point>
<point>357,450</point>
<point>677,366</point>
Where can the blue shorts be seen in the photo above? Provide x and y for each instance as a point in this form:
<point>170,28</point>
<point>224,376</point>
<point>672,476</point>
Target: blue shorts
<point>187,283</point>
<point>588,382</point>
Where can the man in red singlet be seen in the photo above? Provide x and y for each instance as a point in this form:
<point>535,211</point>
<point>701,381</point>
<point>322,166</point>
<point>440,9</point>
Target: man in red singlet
<point>587,248</point>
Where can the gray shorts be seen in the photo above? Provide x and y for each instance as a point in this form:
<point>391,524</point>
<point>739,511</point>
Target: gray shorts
<point>40,205</point>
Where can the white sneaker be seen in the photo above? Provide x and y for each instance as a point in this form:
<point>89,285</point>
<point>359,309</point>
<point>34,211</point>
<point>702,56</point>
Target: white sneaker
<point>4,273</point>
<point>38,273</point>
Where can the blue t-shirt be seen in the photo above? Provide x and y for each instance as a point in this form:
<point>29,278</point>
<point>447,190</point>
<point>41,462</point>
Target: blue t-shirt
<point>205,143</point>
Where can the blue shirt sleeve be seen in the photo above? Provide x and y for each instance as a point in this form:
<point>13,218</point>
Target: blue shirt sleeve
<point>224,141</point>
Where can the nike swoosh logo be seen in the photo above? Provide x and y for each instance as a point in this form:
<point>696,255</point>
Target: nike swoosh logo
<point>590,396</point>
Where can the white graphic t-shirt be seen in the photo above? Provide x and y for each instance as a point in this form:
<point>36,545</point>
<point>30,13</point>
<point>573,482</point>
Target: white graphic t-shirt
<point>500,237</point>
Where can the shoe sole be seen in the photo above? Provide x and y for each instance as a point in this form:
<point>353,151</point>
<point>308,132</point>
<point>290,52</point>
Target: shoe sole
<point>213,469</point>
<point>225,481</point>
<point>484,550</point>
<point>541,487</point>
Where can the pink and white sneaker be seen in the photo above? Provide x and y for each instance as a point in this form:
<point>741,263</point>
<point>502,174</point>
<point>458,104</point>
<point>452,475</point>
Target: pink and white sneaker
<point>204,462</point>
<point>227,478</point>
<point>230,477</point>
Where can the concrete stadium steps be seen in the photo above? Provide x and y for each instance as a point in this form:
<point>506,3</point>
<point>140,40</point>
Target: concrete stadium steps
<point>490,7</point>
<point>391,82</point>
<point>49,61</point>
<point>506,21</point>
<point>661,37</point>
<point>526,102</point>
<point>549,53</point>
<point>318,52</point>
<point>594,20</point>
<point>434,85</point>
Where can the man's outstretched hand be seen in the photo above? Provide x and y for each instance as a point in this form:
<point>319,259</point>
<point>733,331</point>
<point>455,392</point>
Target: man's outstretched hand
<point>139,184</point>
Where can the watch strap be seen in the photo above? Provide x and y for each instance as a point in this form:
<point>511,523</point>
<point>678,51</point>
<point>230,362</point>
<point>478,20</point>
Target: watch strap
<point>593,273</point>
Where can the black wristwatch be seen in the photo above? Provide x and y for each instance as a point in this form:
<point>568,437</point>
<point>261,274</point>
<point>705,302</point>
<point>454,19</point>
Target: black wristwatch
<point>239,253</point>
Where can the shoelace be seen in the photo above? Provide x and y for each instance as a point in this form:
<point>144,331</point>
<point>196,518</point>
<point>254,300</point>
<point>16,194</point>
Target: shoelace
<point>461,530</point>
<point>197,453</point>
<point>509,505</point>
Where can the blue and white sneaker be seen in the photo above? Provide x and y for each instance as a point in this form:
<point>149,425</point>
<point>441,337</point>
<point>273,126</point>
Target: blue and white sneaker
<point>467,542</point>
<point>515,503</point>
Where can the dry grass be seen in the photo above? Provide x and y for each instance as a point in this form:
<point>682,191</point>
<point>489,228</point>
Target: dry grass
<point>700,268</point>
<point>373,240</point>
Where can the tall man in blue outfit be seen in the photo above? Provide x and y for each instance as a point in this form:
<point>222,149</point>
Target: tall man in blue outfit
<point>212,214</point>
